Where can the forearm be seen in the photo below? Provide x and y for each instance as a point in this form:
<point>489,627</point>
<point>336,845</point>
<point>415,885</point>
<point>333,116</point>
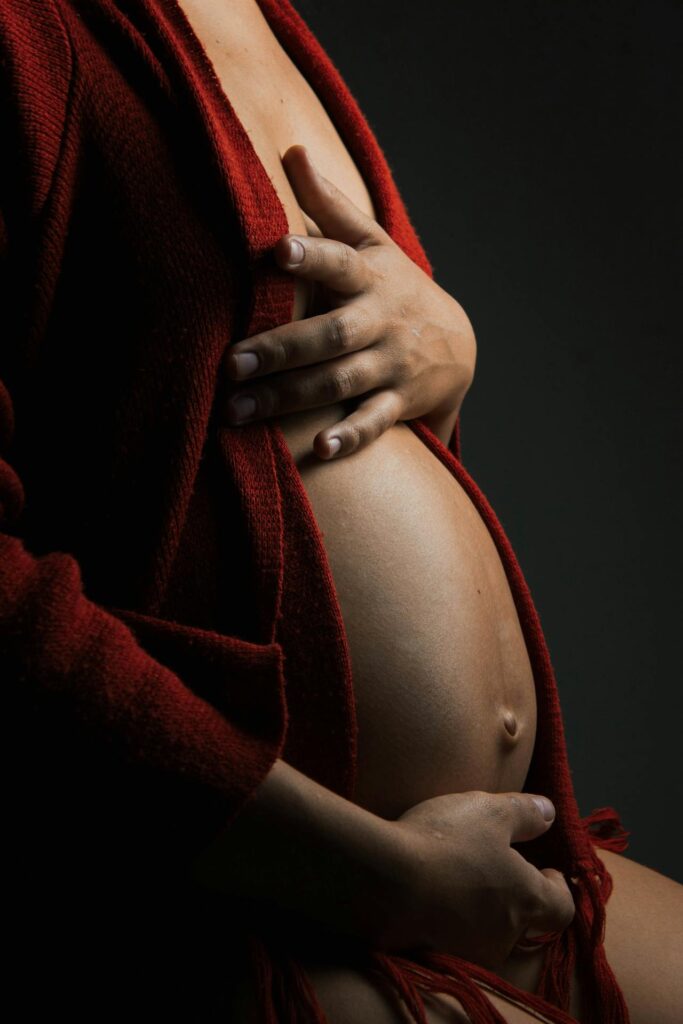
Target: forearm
<point>309,851</point>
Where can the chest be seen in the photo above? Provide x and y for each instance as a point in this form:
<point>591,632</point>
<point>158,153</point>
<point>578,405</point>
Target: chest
<point>276,106</point>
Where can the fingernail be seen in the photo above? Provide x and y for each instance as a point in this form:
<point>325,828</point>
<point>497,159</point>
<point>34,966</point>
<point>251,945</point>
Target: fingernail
<point>333,444</point>
<point>545,806</point>
<point>246,363</point>
<point>243,406</point>
<point>296,251</point>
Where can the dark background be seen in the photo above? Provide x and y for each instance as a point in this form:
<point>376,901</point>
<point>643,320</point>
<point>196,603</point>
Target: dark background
<point>535,146</point>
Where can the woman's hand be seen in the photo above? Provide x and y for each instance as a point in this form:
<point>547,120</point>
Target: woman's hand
<point>466,891</point>
<point>392,337</point>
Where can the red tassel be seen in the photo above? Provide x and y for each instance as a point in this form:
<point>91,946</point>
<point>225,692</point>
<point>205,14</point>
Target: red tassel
<point>405,988</point>
<point>286,994</point>
<point>605,829</point>
<point>262,972</point>
<point>554,984</point>
<point>441,974</point>
<point>301,1004</point>
<point>602,997</point>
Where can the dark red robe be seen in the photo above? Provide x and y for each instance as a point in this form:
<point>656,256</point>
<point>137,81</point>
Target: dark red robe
<point>168,618</point>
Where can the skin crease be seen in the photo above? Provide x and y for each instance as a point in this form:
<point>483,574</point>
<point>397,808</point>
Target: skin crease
<point>372,506</point>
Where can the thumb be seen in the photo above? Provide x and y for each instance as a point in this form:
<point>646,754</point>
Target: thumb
<point>531,815</point>
<point>335,214</point>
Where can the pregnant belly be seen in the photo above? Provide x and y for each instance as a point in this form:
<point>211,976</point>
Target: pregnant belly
<point>443,684</point>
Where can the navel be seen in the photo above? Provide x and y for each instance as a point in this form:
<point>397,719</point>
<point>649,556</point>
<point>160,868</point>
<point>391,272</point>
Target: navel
<point>510,723</point>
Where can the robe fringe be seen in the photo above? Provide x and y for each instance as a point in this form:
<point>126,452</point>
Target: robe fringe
<point>285,992</point>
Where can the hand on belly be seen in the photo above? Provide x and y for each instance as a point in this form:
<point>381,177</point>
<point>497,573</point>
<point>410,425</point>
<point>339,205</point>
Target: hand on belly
<point>388,335</point>
<point>444,690</point>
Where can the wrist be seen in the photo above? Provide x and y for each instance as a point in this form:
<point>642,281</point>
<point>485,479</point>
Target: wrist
<point>401,926</point>
<point>305,851</point>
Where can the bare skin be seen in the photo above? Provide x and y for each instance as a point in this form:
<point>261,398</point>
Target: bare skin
<point>460,672</point>
<point>643,943</point>
<point>443,683</point>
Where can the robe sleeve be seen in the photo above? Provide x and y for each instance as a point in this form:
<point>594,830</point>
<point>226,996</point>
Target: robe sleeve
<point>69,660</point>
<point>100,727</point>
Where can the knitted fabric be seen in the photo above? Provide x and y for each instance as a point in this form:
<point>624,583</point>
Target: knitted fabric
<point>164,587</point>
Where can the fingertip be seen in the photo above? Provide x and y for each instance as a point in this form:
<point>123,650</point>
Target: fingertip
<point>287,155</point>
<point>303,152</point>
<point>545,806</point>
<point>290,251</point>
<point>321,446</point>
<point>329,447</point>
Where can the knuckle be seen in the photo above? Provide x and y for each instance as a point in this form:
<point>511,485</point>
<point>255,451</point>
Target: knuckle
<point>380,259</point>
<point>397,324</point>
<point>398,364</point>
<point>344,258</point>
<point>267,402</point>
<point>483,807</point>
<point>338,385</point>
<point>357,436</point>
<point>279,352</point>
<point>516,808</point>
<point>382,421</point>
<point>531,903</point>
<point>496,810</point>
<point>403,368</point>
<point>319,255</point>
<point>372,428</point>
<point>342,333</point>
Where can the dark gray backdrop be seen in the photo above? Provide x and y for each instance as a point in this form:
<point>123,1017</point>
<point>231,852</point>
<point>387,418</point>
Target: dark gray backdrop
<point>535,147</point>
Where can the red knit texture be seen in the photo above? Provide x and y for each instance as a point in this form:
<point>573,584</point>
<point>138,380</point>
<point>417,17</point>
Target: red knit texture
<point>162,576</point>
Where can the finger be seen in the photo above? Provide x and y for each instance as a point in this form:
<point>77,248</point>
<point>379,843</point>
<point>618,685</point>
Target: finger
<point>334,213</point>
<point>554,906</point>
<point>310,388</point>
<point>303,342</point>
<point>526,814</point>
<point>527,943</point>
<point>327,260</point>
<point>374,416</point>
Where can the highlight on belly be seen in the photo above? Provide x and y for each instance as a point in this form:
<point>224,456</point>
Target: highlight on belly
<point>443,685</point>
